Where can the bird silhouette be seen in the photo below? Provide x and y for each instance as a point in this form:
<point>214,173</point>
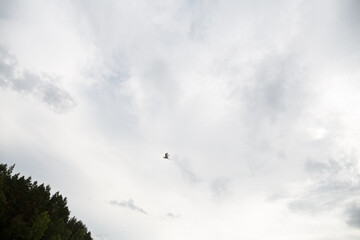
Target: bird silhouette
<point>166,156</point>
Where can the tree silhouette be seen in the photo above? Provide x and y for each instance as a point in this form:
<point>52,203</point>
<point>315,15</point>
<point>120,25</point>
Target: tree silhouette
<point>28,211</point>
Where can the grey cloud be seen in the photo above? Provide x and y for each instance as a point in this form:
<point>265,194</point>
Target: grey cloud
<point>303,205</point>
<point>111,111</point>
<point>186,171</point>
<point>350,21</point>
<point>42,87</point>
<point>336,46</point>
<point>272,93</point>
<point>160,84</point>
<point>128,204</point>
<point>353,215</point>
<point>324,196</point>
<point>318,167</point>
<point>334,183</point>
<point>276,88</point>
<point>7,7</point>
<point>316,202</point>
<point>200,18</point>
<point>172,215</point>
<point>220,187</point>
<point>348,29</point>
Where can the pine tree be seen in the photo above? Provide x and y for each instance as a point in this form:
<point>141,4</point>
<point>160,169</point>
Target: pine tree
<point>28,211</point>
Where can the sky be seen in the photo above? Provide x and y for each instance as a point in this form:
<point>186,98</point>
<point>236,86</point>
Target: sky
<point>256,102</point>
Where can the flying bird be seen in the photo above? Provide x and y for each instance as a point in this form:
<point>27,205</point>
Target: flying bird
<point>166,156</point>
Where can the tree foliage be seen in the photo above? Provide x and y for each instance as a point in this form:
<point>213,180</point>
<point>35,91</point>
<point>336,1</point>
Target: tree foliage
<point>28,211</point>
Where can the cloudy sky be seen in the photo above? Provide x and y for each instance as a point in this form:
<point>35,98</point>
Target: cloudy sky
<point>257,103</point>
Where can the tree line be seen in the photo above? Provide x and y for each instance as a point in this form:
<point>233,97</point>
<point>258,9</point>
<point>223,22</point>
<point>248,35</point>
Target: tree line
<point>29,211</point>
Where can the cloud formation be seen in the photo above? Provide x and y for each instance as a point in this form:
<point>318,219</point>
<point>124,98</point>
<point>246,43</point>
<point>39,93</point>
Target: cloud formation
<point>260,96</point>
<point>172,215</point>
<point>41,86</point>
<point>187,173</point>
<point>353,215</point>
<point>128,204</point>
<point>220,188</point>
<point>334,184</point>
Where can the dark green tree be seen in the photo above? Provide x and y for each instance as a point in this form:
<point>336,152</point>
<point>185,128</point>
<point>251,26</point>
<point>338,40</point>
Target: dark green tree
<point>28,211</point>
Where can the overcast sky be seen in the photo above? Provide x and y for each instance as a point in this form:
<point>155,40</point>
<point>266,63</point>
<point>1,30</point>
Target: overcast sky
<point>257,103</point>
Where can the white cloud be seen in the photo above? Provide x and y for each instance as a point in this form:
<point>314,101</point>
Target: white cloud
<point>128,204</point>
<point>242,94</point>
<point>41,86</point>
